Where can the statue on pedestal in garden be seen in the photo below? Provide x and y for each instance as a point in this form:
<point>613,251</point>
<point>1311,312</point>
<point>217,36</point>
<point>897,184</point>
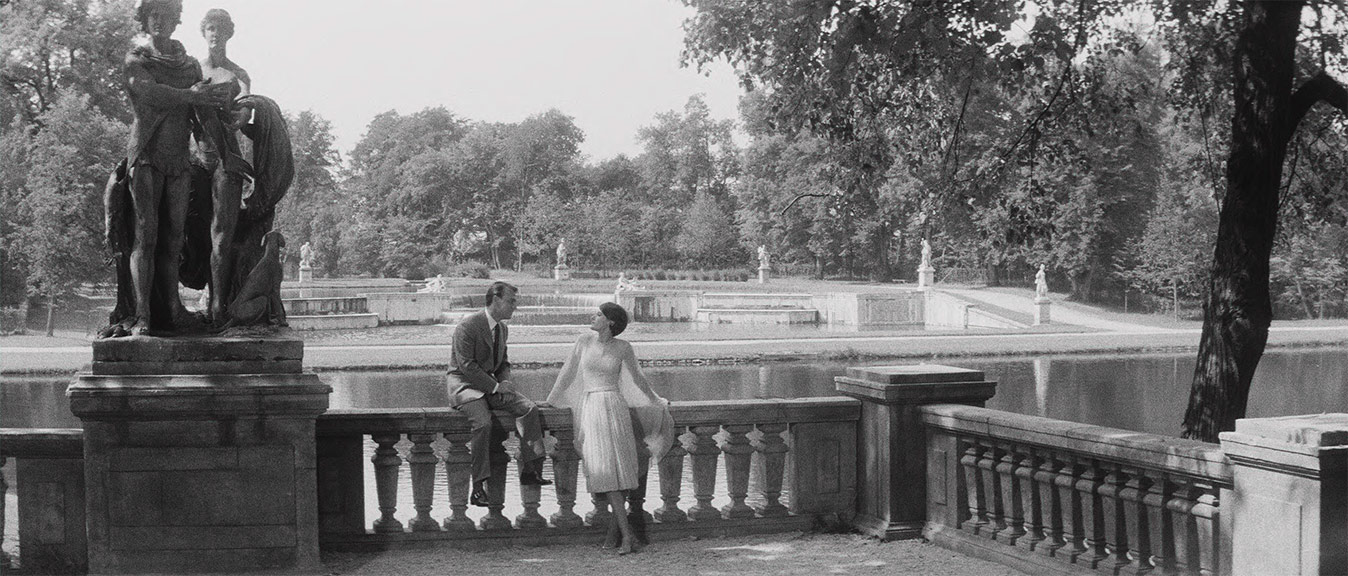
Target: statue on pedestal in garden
<point>174,216</point>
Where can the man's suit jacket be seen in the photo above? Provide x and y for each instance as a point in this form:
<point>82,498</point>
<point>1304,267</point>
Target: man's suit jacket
<point>473,368</point>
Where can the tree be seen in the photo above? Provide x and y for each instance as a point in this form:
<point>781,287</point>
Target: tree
<point>1267,110</point>
<point>705,240</point>
<point>315,205</point>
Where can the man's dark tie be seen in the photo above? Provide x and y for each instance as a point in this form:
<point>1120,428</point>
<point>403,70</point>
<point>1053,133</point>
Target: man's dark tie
<point>496,343</point>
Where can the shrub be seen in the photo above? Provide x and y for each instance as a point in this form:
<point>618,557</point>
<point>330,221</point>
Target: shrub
<point>468,269</point>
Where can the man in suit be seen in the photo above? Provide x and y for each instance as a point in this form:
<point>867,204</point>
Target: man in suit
<point>479,382</point>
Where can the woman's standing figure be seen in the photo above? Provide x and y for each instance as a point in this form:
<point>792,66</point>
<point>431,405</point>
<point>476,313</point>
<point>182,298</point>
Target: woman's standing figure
<point>611,402</point>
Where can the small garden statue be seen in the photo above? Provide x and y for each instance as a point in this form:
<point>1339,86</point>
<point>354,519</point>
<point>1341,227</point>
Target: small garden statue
<point>561,252</point>
<point>306,256</point>
<point>624,284</point>
<point>1040,284</point>
<point>926,254</point>
<point>763,257</point>
<point>436,284</point>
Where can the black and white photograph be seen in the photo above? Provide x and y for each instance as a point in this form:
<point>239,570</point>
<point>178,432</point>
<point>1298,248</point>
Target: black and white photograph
<point>674,287</point>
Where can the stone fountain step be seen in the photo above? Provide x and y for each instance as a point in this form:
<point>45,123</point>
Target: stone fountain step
<point>757,316</point>
<point>746,301</point>
<point>333,321</point>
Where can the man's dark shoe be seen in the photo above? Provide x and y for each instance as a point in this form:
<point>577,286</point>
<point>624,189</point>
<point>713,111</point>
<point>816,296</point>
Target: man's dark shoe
<point>479,497</point>
<point>534,479</point>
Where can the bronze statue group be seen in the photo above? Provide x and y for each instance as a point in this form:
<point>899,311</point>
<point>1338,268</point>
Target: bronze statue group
<point>190,205</point>
<point>186,206</point>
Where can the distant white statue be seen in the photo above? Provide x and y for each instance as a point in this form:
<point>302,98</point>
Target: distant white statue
<point>926,254</point>
<point>306,256</point>
<point>436,284</point>
<point>624,284</point>
<point>1040,284</point>
<point>763,257</point>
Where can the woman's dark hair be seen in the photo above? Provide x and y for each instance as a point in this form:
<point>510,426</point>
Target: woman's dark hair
<point>616,315</point>
<point>222,22</point>
<point>498,290</point>
<point>143,10</point>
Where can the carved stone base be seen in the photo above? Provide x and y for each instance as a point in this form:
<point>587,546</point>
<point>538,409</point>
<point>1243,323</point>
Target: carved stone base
<point>764,273</point>
<point>306,274</point>
<point>926,277</point>
<point>199,455</point>
<point>561,272</point>
<point>1041,310</point>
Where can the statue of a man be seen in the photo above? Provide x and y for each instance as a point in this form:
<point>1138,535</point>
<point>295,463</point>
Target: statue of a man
<point>164,85</point>
<point>561,252</point>
<point>926,254</point>
<point>306,256</point>
<point>763,256</point>
<point>1040,284</point>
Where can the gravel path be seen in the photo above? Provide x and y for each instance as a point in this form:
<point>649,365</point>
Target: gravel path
<point>786,554</point>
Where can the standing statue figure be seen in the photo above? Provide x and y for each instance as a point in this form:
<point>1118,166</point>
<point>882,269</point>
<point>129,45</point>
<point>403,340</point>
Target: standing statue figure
<point>561,252</point>
<point>1040,284</point>
<point>763,256</point>
<point>926,254</point>
<point>306,256</point>
<point>148,194</point>
<point>170,219</point>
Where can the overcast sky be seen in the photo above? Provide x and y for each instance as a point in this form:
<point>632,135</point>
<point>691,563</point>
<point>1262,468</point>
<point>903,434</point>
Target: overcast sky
<point>610,64</point>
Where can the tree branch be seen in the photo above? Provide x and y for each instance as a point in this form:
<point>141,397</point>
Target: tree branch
<point>1321,88</point>
<point>799,197</point>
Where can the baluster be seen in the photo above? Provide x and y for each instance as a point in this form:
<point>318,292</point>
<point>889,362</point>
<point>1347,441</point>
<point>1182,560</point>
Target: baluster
<point>600,515</point>
<point>1161,539</point>
<point>973,488</point>
<point>1205,511</point>
<point>565,464</point>
<point>500,463</point>
<point>987,462</point>
<point>1136,520</point>
<point>1050,506</point>
<point>530,496</point>
<point>1012,516</point>
<point>773,449</point>
<point>1069,505</point>
<point>704,451</point>
<point>1115,516</point>
<point>738,453</point>
<point>5,561</point>
<point>671,481</point>
<point>1030,504</point>
<point>422,461</point>
<point>386,464</point>
<point>1092,517</point>
<point>459,476</point>
<point>1182,559</point>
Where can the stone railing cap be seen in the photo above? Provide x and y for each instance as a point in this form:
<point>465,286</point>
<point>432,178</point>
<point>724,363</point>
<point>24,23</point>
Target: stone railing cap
<point>914,374</point>
<point>1323,430</point>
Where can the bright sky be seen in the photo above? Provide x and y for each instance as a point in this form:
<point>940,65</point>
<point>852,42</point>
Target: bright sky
<point>610,64</point>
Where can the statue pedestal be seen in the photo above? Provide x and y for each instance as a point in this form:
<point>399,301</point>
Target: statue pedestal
<point>764,273</point>
<point>926,277</point>
<point>561,272</point>
<point>1041,313</point>
<point>199,455</point>
<point>306,274</point>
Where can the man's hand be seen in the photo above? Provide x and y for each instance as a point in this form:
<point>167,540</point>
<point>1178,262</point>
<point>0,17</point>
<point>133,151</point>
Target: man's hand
<point>505,386</point>
<point>206,94</point>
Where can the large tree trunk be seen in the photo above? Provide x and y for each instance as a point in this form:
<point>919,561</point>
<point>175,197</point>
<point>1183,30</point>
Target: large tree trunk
<point>1237,312</point>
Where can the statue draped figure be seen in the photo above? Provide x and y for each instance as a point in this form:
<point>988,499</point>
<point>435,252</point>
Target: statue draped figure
<point>172,216</point>
<point>1040,284</point>
<point>561,253</point>
<point>926,254</point>
<point>763,258</point>
<point>306,256</point>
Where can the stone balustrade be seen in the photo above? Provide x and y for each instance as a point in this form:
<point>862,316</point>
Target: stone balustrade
<point>804,448</point>
<point>49,483</point>
<point>1050,496</point>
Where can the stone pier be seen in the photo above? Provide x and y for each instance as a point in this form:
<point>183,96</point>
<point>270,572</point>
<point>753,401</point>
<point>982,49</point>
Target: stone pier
<point>199,455</point>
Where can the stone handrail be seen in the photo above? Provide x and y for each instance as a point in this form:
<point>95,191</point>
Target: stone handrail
<point>1047,494</point>
<point>49,482</point>
<point>807,444</point>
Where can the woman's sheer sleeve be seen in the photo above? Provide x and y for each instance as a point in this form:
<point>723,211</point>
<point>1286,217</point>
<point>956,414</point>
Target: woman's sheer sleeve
<point>650,412</point>
<point>567,388</point>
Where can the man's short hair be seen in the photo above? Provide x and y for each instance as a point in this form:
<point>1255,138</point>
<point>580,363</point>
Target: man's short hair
<point>615,314</point>
<point>222,21</point>
<point>498,290</point>
<point>145,6</point>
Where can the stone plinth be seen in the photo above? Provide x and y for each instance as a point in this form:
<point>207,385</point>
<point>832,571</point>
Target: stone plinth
<point>561,272</point>
<point>892,449</point>
<point>926,277</point>
<point>306,274</point>
<point>764,274</point>
<point>1289,502</point>
<point>199,455</point>
<point>1041,310</point>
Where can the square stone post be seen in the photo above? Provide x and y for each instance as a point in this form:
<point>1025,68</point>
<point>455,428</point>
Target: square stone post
<point>892,444</point>
<point>1041,310</point>
<point>199,455</point>
<point>1289,502</point>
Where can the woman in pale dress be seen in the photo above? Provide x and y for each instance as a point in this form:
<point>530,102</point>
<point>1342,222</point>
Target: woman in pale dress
<point>613,407</point>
